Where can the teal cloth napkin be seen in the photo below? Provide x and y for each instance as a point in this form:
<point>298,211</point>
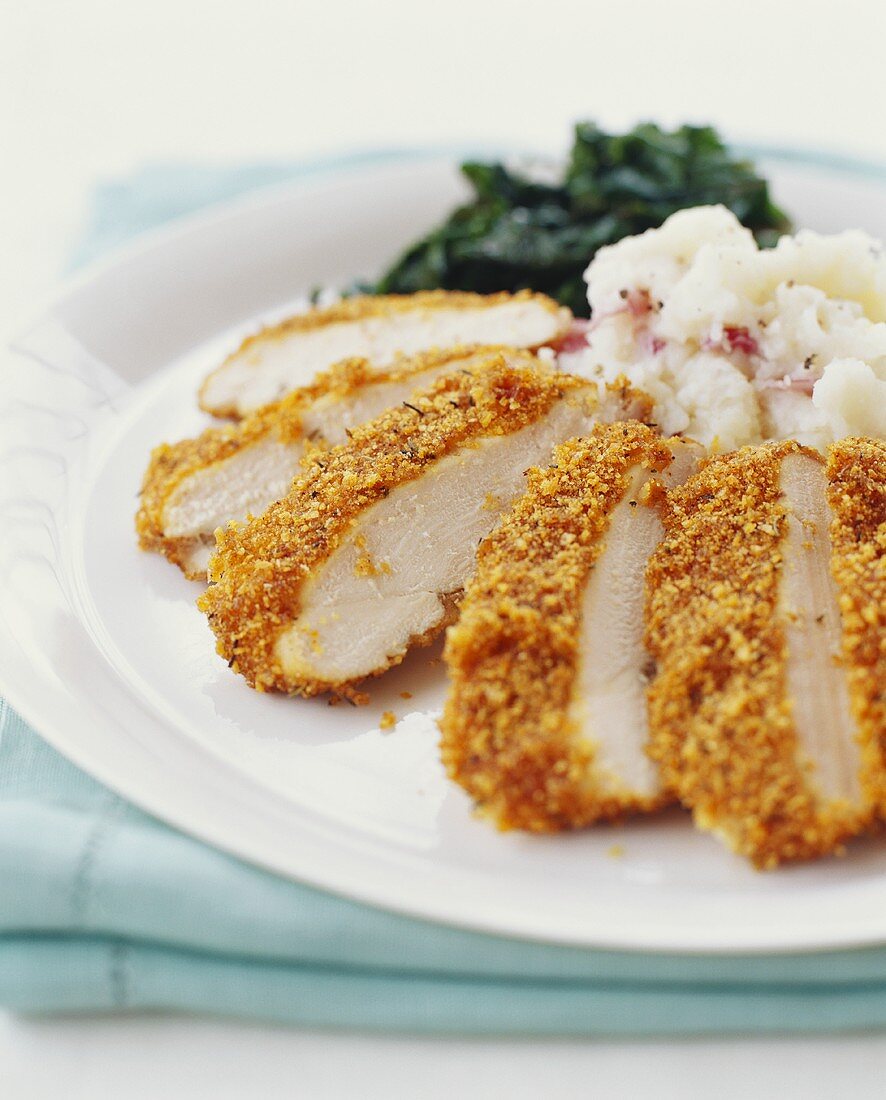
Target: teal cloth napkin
<point>103,908</point>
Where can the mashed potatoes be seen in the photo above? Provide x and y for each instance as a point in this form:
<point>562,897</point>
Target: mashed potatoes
<point>737,344</point>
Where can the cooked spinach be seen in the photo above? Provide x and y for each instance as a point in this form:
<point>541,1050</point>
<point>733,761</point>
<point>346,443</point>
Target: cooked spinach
<point>518,232</point>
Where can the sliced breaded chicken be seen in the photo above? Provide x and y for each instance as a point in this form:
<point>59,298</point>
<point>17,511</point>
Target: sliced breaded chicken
<point>371,548</point>
<point>856,474</point>
<point>766,619</point>
<point>545,724</point>
<point>230,473</point>
<point>283,357</point>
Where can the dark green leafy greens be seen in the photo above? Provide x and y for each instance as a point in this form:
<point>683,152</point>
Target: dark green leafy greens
<point>518,232</point>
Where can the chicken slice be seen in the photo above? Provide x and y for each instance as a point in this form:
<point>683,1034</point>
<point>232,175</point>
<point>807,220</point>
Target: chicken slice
<point>545,724</point>
<point>286,356</point>
<point>856,476</point>
<point>764,709</point>
<point>233,472</point>
<point>368,553</point>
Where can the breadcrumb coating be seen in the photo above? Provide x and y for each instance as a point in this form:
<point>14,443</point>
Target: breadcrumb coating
<point>721,720</point>
<point>857,496</point>
<point>508,736</point>
<point>363,307</point>
<point>260,568</point>
<point>171,464</point>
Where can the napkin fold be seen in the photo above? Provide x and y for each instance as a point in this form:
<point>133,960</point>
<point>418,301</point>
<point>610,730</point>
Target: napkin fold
<point>104,908</point>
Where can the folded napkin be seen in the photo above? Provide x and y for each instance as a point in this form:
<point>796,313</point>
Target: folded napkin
<point>104,908</point>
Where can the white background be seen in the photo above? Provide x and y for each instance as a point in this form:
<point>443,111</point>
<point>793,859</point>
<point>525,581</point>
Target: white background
<point>91,89</point>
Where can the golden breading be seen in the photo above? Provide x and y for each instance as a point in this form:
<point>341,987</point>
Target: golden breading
<point>381,307</point>
<point>173,464</point>
<point>510,735</point>
<point>857,496</point>
<point>260,569</point>
<point>723,723</point>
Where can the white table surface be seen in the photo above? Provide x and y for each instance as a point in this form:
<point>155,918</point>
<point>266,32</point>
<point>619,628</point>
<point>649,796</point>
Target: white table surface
<point>91,89</point>
<point>140,1059</point>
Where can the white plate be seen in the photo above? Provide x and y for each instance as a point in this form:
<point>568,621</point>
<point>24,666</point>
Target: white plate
<point>102,649</point>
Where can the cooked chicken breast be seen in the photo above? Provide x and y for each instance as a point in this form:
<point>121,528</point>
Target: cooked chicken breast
<point>286,356</point>
<point>767,601</point>
<point>233,472</point>
<point>545,724</point>
<point>856,475</point>
<point>369,551</point>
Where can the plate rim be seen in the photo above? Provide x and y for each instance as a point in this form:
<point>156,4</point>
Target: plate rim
<point>309,169</point>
